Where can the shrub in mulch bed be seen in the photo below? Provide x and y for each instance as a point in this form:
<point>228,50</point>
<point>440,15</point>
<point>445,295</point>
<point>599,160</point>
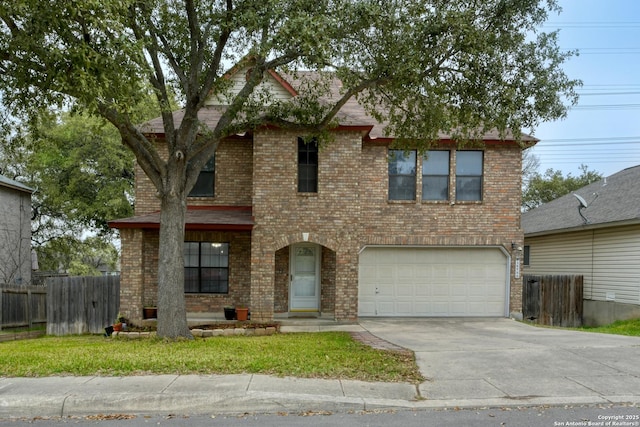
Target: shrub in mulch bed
<point>235,325</point>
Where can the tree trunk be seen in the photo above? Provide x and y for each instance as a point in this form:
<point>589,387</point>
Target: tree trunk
<point>172,312</point>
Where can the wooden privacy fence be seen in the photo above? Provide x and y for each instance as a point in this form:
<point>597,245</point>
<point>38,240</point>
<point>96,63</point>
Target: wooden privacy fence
<point>22,306</point>
<point>80,305</point>
<point>552,300</point>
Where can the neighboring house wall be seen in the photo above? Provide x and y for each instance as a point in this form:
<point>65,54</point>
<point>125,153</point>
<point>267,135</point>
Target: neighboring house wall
<point>15,235</point>
<point>609,260</point>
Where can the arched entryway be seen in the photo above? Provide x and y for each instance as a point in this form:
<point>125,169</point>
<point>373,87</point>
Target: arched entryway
<point>305,281</point>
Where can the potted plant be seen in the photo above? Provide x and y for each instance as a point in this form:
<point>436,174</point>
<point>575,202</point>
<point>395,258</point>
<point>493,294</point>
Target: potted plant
<point>120,323</point>
<point>150,312</point>
<point>242,313</point>
<point>229,313</point>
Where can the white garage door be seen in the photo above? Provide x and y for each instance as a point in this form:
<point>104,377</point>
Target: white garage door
<point>439,282</point>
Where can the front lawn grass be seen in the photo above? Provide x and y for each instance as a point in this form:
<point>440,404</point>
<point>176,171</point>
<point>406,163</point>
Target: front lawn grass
<point>308,355</point>
<point>621,327</point>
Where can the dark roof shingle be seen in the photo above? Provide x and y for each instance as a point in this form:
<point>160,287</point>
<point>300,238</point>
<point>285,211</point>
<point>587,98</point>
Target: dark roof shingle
<point>351,114</point>
<point>212,218</point>
<point>611,200</point>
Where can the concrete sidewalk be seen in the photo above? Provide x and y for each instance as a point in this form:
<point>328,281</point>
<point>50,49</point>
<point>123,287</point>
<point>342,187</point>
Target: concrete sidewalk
<point>193,394</point>
<point>469,363</point>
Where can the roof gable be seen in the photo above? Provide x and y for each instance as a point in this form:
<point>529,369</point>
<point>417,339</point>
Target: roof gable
<point>284,87</point>
<point>610,201</point>
<point>273,86</point>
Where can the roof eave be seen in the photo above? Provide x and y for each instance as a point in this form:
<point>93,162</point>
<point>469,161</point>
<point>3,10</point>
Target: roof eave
<point>188,227</point>
<point>584,227</point>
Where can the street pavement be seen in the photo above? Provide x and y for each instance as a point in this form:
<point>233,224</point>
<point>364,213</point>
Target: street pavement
<point>467,363</point>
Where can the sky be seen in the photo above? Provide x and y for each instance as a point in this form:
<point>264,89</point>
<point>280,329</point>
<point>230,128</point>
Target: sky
<point>603,130</point>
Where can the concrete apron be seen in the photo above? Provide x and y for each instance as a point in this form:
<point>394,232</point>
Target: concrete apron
<point>495,361</point>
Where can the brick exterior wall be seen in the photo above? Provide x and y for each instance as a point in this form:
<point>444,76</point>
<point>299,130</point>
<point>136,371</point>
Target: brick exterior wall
<point>132,283</point>
<point>233,176</point>
<point>282,215</point>
<point>281,281</point>
<point>349,212</point>
<point>328,281</point>
<point>495,221</point>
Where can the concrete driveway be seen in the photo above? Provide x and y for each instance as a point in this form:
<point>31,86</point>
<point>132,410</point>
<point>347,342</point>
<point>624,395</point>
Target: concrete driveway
<point>489,360</point>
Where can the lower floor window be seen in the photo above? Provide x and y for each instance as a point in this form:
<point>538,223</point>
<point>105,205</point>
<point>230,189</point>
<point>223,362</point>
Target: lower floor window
<point>206,267</point>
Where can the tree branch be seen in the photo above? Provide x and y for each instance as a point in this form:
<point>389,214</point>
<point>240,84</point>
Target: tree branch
<point>196,46</point>
<point>214,67</point>
<point>156,76</point>
<point>145,152</point>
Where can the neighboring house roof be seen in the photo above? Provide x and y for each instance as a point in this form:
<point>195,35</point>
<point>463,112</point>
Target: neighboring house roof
<point>210,218</point>
<point>352,114</point>
<point>617,203</point>
<point>6,182</point>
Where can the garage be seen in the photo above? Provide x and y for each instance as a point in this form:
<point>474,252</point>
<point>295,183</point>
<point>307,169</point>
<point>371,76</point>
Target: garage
<point>434,282</point>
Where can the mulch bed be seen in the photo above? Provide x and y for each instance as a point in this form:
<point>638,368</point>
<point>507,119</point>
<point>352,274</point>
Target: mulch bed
<point>212,326</point>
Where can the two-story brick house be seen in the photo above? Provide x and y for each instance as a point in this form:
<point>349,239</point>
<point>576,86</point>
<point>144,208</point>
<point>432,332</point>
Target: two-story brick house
<point>352,228</point>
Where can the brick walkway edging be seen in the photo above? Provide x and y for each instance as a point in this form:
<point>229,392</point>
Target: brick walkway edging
<point>378,343</point>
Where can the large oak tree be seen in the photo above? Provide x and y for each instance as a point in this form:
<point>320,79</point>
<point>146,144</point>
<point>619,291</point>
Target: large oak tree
<point>422,66</point>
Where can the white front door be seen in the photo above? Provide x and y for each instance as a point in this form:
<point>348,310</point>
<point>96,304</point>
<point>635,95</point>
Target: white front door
<point>304,292</point>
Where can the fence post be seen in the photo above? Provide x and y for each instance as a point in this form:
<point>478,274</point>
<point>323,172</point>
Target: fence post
<point>29,318</point>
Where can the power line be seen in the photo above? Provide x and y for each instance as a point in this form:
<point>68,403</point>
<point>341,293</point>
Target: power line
<point>606,51</point>
<point>595,140</point>
<point>605,107</point>
<point>607,93</point>
<point>592,24</point>
<point>611,85</point>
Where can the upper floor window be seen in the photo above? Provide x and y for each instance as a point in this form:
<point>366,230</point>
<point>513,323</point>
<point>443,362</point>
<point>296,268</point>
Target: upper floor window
<point>469,175</point>
<point>402,175</point>
<point>307,166</point>
<point>206,267</point>
<point>205,184</point>
<point>435,175</point>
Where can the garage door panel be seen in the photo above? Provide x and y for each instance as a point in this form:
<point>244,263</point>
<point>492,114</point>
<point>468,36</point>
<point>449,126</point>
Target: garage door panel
<point>432,282</point>
<point>367,308</point>
<point>385,308</point>
<point>422,290</point>
<point>404,291</point>
<point>422,308</point>
<point>440,290</point>
<point>385,272</point>
<point>405,307</point>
